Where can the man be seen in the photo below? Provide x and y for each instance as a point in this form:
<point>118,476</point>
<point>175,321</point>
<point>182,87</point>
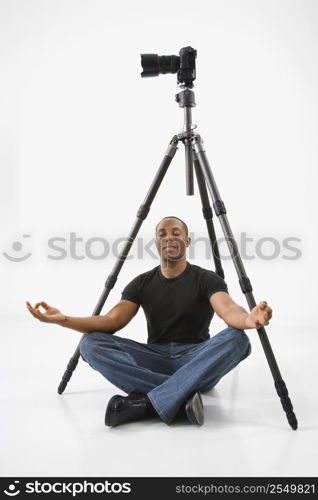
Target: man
<point>180,360</point>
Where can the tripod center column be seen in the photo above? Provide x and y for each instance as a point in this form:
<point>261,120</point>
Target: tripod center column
<point>186,101</point>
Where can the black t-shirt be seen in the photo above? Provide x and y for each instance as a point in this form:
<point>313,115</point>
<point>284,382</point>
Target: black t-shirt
<point>176,309</point>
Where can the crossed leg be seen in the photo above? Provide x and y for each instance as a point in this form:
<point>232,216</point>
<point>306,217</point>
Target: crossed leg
<point>167,380</point>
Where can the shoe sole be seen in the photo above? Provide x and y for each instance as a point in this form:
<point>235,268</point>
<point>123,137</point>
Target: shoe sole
<point>194,409</point>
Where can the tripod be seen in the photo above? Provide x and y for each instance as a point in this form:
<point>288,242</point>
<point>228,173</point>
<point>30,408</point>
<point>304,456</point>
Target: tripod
<point>194,156</point>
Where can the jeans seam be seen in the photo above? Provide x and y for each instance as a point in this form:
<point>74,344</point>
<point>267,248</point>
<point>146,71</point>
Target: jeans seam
<point>161,414</point>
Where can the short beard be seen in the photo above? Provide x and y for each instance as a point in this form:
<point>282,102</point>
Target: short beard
<point>171,258</point>
<point>181,247</point>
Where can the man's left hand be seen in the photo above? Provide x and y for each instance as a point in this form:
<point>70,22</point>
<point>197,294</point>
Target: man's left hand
<point>259,316</point>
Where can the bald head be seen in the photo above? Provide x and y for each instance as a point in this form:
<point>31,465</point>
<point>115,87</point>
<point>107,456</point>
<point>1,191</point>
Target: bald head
<point>185,227</point>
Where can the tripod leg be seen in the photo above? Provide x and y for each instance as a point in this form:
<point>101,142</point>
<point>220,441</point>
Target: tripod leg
<point>244,281</point>
<point>112,278</point>
<point>208,215</point>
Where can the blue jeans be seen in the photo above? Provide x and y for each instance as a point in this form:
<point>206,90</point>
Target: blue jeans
<point>168,373</point>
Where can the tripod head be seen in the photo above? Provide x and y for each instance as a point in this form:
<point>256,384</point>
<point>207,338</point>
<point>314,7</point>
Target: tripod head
<point>183,65</point>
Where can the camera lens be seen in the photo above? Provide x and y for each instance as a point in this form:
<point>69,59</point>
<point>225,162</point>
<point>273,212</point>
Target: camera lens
<point>150,64</point>
<point>153,64</point>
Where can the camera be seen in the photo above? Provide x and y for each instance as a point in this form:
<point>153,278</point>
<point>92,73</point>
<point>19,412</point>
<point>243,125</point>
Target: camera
<point>183,65</point>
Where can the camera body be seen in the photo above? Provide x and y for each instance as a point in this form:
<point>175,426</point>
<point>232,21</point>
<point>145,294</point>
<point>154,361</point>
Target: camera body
<point>183,65</point>
<point>186,73</point>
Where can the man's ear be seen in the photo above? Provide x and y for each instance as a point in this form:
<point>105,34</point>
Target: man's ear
<point>189,241</point>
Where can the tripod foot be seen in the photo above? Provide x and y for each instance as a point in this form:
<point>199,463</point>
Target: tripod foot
<point>68,372</point>
<point>286,403</point>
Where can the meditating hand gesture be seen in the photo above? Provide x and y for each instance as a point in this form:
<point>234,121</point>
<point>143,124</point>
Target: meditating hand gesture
<point>259,315</point>
<point>50,314</point>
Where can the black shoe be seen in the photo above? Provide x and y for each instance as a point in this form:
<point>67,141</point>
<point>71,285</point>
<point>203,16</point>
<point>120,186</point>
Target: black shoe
<point>194,409</point>
<point>135,406</point>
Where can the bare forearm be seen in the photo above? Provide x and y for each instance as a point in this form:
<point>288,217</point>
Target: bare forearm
<point>236,316</point>
<point>89,324</point>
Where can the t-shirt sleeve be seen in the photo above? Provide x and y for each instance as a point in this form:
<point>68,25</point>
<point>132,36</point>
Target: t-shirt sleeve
<point>212,283</point>
<point>132,291</point>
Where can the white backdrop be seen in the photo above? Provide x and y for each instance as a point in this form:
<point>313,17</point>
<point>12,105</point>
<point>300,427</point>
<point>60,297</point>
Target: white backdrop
<point>82,136</point>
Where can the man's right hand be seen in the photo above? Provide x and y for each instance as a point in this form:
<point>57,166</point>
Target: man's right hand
<point>114,320</point>
<point>50,314</point>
